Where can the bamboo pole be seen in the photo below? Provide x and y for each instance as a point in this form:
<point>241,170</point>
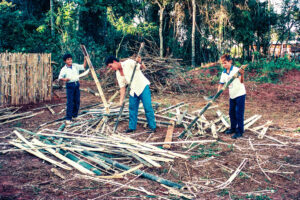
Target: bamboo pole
<point>94,75</point>
<point>211,102</point>
<point>63,158</point>
<point>169,135</point>
<point>36,152</point>
<point>137,172</point>
<point>65,153</point>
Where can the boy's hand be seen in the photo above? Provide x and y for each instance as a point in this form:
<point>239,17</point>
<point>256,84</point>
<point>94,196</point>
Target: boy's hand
<point>242,71</point>
<point>65,79</point>
<point>138,59</point>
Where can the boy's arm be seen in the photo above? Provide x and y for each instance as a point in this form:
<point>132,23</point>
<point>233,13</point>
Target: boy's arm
<point>62,75</point>
<point>64,79</point>
<point>84,62</point>
<point>220,87</point>
<point>122,95</point>
<point>241,77</point>
<point>139,61</point>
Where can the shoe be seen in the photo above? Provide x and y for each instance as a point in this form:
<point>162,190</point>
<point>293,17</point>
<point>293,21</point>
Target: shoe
<point>68,122</point>
<point>237,135</point>
<point>150,130</point>
<point>129,130</point>
<point>75,119</point>
<point>229,131</point>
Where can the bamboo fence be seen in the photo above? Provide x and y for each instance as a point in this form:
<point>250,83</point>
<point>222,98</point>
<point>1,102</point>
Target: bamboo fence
<point>25,78</point>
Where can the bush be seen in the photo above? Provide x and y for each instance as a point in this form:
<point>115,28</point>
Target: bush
<point>270,71</point>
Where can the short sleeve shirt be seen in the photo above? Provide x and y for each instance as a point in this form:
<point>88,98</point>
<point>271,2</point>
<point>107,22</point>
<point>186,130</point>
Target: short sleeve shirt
<point>139,81</point>
<point>236,88</point>
<point>71,72</point>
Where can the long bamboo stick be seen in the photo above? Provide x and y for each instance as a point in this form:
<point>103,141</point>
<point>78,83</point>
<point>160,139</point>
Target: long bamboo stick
<point>85,53</point>
<point>137,172</point>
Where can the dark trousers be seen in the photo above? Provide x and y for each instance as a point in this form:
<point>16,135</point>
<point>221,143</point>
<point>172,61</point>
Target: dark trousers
<point>73,99</point>
<point>236,113</point>
<point>134,102</point>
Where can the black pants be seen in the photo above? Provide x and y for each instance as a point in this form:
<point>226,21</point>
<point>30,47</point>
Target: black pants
<point>73,99</point>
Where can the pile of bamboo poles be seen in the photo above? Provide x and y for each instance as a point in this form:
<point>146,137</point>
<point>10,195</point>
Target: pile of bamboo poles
<point>93,149</point>
<point>95,154</point>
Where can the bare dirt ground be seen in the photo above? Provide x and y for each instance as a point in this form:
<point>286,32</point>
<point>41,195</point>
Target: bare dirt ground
<point>23,176</point>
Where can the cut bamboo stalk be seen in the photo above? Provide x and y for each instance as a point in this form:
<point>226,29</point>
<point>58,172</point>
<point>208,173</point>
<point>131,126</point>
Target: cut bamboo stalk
<point>252,122</point>
<point>223,119</point>
<point>94,75</point>
<point>263,132</point>
<point>63,158</point>
<point>40,155</point>
<point>145,157</point>
<point>214,130</point>
<point>9,121</point>
<point>58,173</point>
<point>66,153</point>
<point>170,108</point>
<point>113,96</point>
<point>111,183</point>
<point>262,126</point>
<point>232,177</point>
<point>139,172</point>
<point>169,135</point>
<point>50,109</point>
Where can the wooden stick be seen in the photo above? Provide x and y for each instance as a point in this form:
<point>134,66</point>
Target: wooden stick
<point>169,135</point>
<point>50,109</point>
<point>262,168</point>
<point>94,75</point>
<point>232,177</point>
<point>67,160</point>
<point>21,118</point>
<point>40,155</point>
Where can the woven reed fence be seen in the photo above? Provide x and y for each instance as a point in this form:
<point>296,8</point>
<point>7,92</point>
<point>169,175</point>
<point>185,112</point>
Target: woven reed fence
<point>25,78</point>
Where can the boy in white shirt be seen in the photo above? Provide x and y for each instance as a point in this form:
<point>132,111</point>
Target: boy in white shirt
<point>237,93</point>
<point>70,74</point>
<point>139,90</point>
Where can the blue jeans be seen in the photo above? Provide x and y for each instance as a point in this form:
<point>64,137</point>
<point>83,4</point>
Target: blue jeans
<point>134,102</point>
<point>73,99</point>
<point>236,113</point>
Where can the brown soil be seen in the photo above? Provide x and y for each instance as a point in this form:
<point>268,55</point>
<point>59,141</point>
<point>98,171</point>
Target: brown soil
<point>23,176</point>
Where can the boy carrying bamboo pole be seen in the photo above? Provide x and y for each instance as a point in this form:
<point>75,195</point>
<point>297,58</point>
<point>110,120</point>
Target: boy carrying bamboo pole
<point>70,75</point>
<point>237,93</point>
<point>139,91</point>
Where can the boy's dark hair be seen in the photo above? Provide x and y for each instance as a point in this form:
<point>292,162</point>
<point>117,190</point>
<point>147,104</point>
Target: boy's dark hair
<point>226,57</point>
<point>66,56</point>
<point>110,59</point>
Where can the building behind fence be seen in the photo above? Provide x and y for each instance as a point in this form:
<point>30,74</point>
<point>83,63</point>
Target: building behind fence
<point>25,78</point>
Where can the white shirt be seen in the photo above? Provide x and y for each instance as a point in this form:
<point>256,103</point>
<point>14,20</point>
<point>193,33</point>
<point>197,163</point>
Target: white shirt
<point>236,88</point>
<point>71,73</point>
<point>139,81</point>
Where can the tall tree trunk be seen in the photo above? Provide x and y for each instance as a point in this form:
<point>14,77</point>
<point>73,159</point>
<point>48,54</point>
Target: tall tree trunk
<point>161,39</point>
<point>78,18</point>
<point>51,18</point>
<point>193,33</point>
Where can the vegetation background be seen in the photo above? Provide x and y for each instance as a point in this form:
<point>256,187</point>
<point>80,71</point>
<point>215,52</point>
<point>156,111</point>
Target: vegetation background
<point>195,31</point>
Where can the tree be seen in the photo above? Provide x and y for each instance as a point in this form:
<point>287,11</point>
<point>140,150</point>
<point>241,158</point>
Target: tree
<point>193,33</point>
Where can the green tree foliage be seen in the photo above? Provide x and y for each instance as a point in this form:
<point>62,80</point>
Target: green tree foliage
<point>117,27</point>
